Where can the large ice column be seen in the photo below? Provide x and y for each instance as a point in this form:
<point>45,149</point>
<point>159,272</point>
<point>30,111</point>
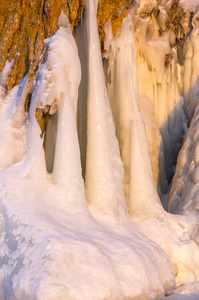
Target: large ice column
<point>140,191</point>
<point>104,170</point>
<point>143,197</point>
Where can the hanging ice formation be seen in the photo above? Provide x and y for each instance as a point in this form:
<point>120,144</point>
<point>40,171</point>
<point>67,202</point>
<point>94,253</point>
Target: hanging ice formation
<point>54,243</point>
<point>124,97</point>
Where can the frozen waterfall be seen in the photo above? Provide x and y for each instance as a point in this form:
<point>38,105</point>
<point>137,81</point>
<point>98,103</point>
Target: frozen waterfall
<point>80,215</point>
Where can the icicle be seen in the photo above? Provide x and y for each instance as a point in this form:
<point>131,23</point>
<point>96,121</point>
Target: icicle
<point>67,168</point>
<point>143,197</point>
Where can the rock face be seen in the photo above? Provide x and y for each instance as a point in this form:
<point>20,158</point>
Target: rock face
<point>23,27</point>
<point>114,11</point>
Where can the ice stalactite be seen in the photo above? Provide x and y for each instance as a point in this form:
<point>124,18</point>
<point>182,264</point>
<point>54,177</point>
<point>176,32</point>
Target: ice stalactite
<point>124,96</point>
<point>104,170</point>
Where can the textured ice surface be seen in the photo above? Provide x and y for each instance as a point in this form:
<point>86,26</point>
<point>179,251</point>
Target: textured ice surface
<point>185,188</point>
